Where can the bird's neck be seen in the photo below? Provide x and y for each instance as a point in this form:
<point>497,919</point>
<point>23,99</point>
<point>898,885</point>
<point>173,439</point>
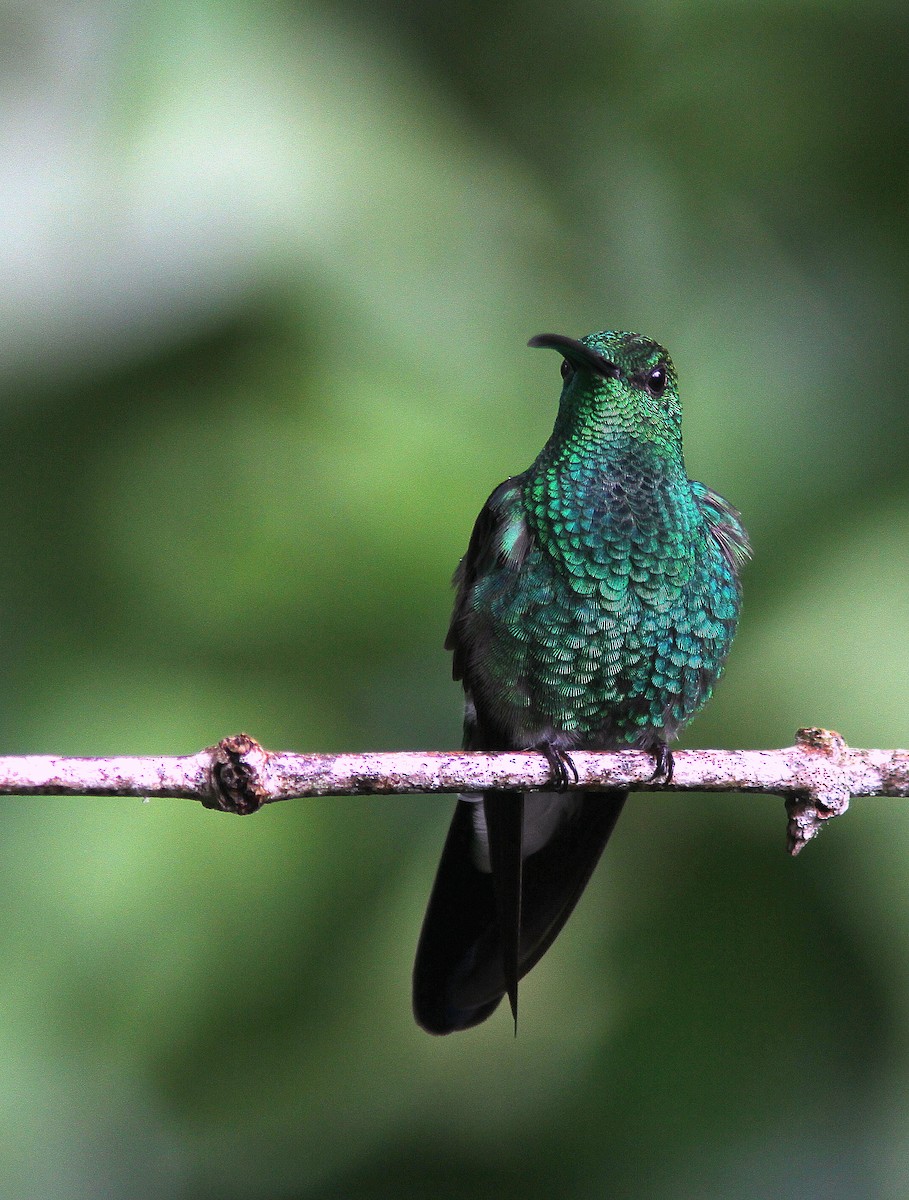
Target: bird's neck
<point>620,481</point>
<point>587,454</point>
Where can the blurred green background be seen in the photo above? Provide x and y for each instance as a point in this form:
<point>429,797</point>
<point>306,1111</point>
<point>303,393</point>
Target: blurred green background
<point>266,276</point>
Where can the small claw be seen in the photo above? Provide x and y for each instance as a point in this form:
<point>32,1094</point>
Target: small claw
<point>560,764</point>
<point>664,764</point>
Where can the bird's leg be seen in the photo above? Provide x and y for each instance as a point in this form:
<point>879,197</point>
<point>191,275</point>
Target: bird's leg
<point>560,764</point>
<point>663,762</point>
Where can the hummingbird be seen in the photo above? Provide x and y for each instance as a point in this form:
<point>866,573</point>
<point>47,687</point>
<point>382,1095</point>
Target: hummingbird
<point>594,610</point>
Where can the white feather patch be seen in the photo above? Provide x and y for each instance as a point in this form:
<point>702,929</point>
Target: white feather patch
<point>544,812</point>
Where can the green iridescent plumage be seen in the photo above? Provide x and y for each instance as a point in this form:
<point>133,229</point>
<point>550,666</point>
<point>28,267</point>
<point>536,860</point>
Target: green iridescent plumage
<point>596,604</point>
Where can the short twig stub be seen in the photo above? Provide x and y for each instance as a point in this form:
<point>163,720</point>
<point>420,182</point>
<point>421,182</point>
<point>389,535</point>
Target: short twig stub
<point>236,776</point>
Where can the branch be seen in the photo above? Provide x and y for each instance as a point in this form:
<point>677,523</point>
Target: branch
<point>817,776</point>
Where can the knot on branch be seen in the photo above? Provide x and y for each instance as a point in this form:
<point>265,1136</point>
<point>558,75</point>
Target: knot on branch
<point>237,784</point>
<point>824,790</point>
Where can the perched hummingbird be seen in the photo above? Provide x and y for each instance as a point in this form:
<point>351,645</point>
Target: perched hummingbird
<point>595,606</point>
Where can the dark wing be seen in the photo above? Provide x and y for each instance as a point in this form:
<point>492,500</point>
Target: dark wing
<point>500,540</point>
<point>484,929</point>
<point>725,524</point>
<point>469,905</point>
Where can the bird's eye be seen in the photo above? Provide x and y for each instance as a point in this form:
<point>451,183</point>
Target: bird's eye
<point>567,370</point>
<point>656,381</point>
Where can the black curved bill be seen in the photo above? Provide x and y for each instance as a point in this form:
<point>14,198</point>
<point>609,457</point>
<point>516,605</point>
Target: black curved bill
<point>576,353</point>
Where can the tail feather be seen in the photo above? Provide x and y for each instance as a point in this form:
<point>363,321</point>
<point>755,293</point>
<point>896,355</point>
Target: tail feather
<point>466,960</point>
<point>504,813</point>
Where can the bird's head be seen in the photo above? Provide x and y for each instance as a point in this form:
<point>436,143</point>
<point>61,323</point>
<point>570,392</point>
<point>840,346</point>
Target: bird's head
<point>621,384</point>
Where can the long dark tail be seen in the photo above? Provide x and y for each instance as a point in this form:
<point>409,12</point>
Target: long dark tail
<point>479,937</point>
<point>504,816</point>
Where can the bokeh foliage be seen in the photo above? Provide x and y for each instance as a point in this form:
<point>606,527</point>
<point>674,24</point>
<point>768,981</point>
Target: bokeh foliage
<point>266,276</point>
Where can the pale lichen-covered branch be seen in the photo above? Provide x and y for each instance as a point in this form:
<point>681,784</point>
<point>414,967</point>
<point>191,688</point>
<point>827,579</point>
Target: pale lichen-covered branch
<point>816,776</point>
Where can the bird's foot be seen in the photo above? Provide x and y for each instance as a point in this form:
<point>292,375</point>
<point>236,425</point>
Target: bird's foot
<point>663,763</point>
<point>563,769</point>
